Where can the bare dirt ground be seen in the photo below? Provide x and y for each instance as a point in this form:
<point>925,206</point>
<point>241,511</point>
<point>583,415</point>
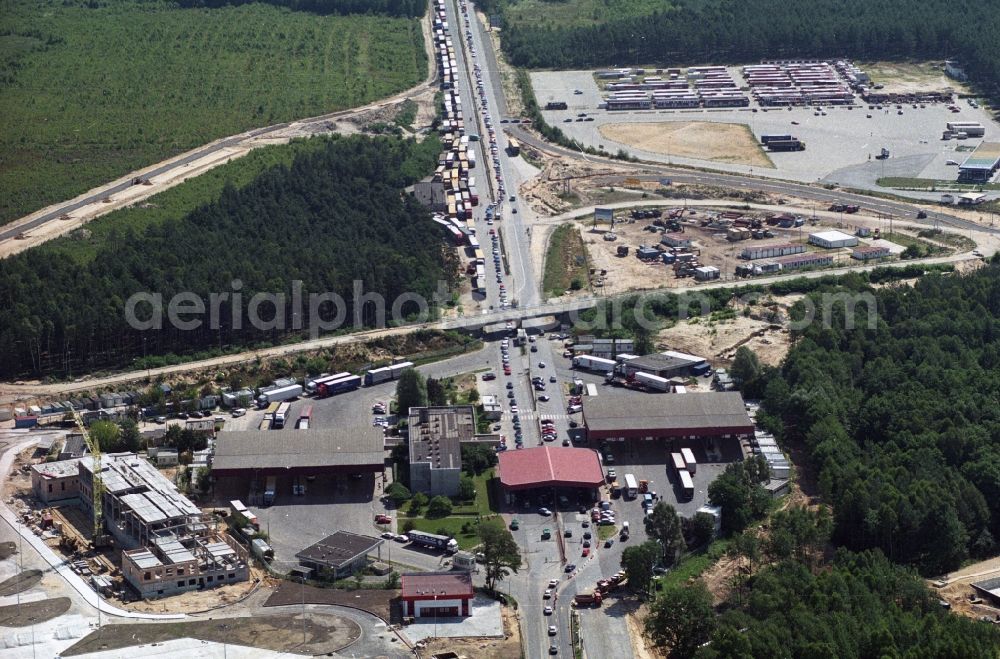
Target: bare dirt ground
<point>910,77</point>
<point>20,582</point>
<point>508,647</point>
<point>706,140</point>
<point>959,594</point>
<point>376,602</point>
<point>33,613</point>
<point>324,633</point>
<point>718,340</point>
<point>199,601</point>
<point>564,184</point>
<point>642,646</point>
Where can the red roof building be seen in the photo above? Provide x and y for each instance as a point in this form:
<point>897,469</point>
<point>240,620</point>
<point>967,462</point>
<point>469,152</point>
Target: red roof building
<point>550,466</point>
<point>442,594</point>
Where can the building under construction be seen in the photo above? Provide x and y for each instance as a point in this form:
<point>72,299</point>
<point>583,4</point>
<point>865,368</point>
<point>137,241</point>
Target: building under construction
<point>168,545</point>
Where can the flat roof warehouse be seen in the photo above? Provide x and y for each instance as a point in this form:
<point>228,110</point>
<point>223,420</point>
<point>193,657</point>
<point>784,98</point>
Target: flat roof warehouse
<point>352,449</point>
<point>712,414</point>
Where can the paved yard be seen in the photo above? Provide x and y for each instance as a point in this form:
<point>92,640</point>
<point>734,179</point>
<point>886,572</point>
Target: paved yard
<point>486,620</point>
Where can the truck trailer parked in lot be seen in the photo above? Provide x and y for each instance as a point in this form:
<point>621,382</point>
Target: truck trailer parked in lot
<point>350,383</point>
<point>687,483</point>
<point>650,381</point>
<point>281,415</point>
<point>313,384</point>
<point>631,486</point>
<point>279,395</point>
<point>432,540</point>
<point>386,373</point>
<point>689,460</point>
<point>597,364</point>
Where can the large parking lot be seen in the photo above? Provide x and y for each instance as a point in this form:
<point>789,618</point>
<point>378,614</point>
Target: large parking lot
<point>841,145</point>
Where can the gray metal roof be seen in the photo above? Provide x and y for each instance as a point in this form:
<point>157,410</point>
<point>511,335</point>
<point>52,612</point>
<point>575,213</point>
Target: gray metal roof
<point>338,549</point>
<point>269,449</point>
<point>665,412</point>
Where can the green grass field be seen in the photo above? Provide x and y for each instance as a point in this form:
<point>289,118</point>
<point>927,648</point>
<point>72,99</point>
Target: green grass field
<point>565,262</point>
<point>89,94</point>
<point>575,13</point>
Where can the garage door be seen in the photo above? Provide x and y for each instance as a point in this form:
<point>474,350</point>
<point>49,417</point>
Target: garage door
<point>441,611</point>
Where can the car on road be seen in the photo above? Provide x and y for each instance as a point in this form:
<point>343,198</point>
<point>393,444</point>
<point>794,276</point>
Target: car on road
<point>568,533</point>
<point>585,525</point>
<point>544,398</point>
<point>587,536</point>
<point>545,512</point>
<point>489,376</point>
<point>609,543</point>
<point>163,419</point>
<point>552,630</point>
<point>401,538</point>
<point>553,649</point>
<point>547,595</point>
<point>586,543</point>
<point>570,567</point>
<point>586,552</point>
<point>541,364</point>
<point>547,610</point>
<point>389,535</point>
<point>239,411</point>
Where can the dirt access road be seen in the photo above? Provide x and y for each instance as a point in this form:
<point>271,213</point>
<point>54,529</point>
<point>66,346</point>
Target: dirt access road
<point>58,219</point>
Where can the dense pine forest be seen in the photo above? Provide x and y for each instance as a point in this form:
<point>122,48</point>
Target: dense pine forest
<point>901,423</point>
<point>336,215</point>
<point>861,605</point>
<point>724,31</point>
<point>399,8</point>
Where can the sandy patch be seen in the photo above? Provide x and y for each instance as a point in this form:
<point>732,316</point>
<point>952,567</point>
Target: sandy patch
<point>718,340</point>
<point>705,140</point>
<point>910,77</point>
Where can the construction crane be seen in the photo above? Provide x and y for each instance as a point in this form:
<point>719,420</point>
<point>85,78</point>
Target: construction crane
<point>99,538</point>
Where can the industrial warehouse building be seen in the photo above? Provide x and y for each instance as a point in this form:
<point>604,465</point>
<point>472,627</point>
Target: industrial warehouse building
<point>339,555</point>
<point>550,466</point>
<point>243,459</point>
<point>667,364</point>
<point>339,450</point>
<point>832,239</point>
<point>687,416</point>
<point>435,437</point>
<point>440,594</point>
